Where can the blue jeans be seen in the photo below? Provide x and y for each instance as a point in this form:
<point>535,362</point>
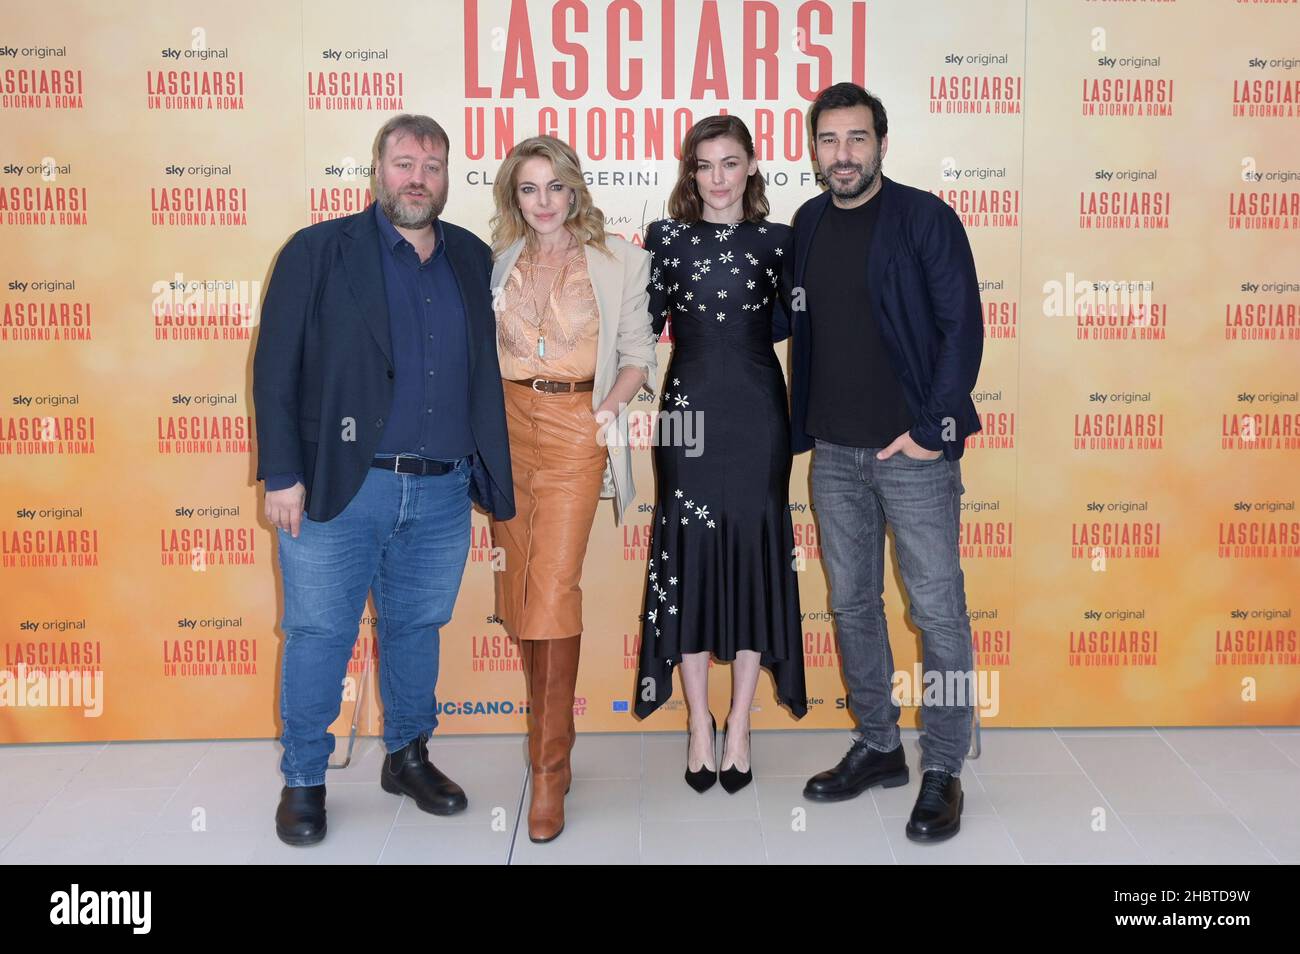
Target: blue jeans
<point>856,496</point>
<point>405,539</point>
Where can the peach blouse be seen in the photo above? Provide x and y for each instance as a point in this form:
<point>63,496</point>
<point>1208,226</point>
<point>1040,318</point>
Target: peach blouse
<point>548,322</point>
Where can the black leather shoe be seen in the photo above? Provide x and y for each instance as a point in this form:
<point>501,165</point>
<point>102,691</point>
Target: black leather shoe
<point>861,768</point>
<point>300,819</point>
<point>937,813</point>
<point>408,771</point>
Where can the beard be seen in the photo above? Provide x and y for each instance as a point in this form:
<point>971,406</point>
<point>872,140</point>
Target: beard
<point>855,187</point>
<point>405,211</point>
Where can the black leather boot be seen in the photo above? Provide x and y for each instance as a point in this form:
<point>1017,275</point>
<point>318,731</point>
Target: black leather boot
<point>409,772</point>
<point>300,819</point>
<point>861,768</point>
<point>937,813</point>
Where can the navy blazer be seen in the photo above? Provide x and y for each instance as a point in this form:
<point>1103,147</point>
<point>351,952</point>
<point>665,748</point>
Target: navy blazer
<point>323,366</point>
<point>921,278</point>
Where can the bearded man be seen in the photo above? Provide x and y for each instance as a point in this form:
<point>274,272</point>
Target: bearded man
<point>380,416</point>
<point>886,351</point>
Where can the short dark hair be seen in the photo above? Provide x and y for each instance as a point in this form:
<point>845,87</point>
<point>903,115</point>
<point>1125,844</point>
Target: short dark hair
<point>423,128</point>
<point>846,96</point>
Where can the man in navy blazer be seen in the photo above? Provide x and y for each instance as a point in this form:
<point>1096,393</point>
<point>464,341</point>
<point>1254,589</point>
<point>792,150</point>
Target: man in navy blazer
<point>379,416</point>
<point>887,333</point>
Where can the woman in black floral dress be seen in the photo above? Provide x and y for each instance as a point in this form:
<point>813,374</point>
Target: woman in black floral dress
<point>721,576</point>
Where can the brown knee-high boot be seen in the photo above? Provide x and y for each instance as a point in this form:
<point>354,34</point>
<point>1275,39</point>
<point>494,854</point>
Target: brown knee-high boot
<point>552,679</point>
<point>526,658</point>
<point>535,706</point>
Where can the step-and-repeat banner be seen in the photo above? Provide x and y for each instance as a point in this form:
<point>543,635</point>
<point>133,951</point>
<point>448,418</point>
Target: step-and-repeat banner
<point>1128,173</point>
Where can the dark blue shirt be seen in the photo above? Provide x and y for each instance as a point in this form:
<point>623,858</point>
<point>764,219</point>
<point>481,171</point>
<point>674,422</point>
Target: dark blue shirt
<point>427,324</point>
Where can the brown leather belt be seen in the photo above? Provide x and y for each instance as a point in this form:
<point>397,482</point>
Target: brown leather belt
<point>555,387</point>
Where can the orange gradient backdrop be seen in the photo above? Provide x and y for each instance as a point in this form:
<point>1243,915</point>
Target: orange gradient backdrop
<point>1130,180</point>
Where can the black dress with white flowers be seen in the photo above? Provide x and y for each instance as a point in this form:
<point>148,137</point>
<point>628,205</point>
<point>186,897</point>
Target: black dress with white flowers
<point>721,574</point>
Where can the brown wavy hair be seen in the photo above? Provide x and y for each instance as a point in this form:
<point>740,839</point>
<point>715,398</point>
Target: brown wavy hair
<point>685,203</point>
<point>585,222</point>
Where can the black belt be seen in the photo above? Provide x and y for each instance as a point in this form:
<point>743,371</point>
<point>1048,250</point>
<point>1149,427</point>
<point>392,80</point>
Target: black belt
<point>416,466</point>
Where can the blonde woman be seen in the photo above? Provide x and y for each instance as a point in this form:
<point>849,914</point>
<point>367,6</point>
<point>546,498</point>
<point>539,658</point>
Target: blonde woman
<point>575,345</point>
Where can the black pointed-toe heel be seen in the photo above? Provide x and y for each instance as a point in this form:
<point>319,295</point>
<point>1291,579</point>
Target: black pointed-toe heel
<point>731,779</point>
<point>703,779</point>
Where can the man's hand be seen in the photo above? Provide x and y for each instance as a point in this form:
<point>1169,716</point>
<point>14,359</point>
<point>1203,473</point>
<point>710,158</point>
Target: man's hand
<point>284,507</point>
<point>909,448</point>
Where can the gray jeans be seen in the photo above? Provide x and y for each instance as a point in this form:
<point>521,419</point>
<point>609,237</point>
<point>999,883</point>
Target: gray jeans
<point>856,496</point>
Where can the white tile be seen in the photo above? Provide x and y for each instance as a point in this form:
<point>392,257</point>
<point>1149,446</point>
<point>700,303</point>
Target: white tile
<point>982,840</point>
<point>702,842</point>
<point>235,787</point>
<point>1282,845</point>
<point>1060,819</point>
<point>449,845</point>
<point>1021,751</point>
<point>31,775</point>
<point>1266,802</point>
<point>142,765</point>
<point>1025,800</point>
<point>797,831</point>
<point>38,772</point>
<point>616,755</point>
<point>1142,774</point>
<point>17,815</point>
<point>602,825</point>
<point>1051,840</point>
<point>1058,796</point>
<point>1232,750</point>
<point>194,848</point>
<point>1196,840</point>
<point>86,827</point>
<point>1120,731</point>
<point>28,782</point>
<point>1288,743</point>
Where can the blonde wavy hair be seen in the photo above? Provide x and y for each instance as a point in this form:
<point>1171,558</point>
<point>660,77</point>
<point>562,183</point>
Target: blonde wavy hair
<point>585,222</point>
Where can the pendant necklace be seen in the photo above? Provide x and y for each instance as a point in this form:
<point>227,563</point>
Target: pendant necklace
<point>541,321</point>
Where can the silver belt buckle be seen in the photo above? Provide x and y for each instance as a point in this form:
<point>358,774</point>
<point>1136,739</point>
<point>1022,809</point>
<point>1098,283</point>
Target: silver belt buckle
<point>398,466</point>
<point>536,382</point>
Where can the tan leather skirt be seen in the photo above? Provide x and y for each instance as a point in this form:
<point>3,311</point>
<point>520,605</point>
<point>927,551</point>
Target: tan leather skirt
<point>558,466</point>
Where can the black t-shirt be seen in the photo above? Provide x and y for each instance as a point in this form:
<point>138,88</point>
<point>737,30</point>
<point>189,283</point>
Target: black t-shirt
<point>854,394</point>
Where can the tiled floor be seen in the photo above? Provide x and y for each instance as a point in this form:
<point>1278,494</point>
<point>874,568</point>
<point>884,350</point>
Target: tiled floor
<point>1067,796</point>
